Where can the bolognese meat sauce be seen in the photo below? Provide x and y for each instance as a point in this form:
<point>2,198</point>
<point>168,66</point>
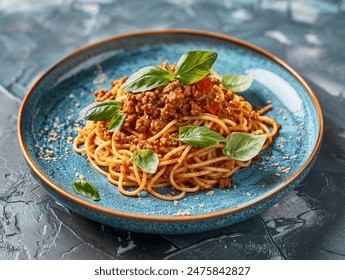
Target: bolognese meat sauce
<point>148,112</point>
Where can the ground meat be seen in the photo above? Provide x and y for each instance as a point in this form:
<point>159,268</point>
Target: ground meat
<point>124,138</point>
<point>142,124</point>
<point>176,98</point>
<point>171,87</point>
<point>158,146</point>
<point>150,111</point>
<point>156,126</point>
<point>130,120</point>
<point>104,94</point>
<point>102,131</point>
<point>224,183</point>
<point>223,111</point>
<point>196,110</point>
<point>122,81</point>
<point>229,95</point>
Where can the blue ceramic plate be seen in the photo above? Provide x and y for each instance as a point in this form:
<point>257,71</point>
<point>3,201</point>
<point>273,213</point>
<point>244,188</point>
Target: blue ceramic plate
<point>50,109</point>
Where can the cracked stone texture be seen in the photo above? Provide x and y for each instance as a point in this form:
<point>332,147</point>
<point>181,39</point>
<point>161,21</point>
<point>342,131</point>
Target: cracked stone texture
<point>309,223</point>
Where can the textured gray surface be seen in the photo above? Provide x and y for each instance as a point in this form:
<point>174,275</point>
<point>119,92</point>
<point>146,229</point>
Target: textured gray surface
<point>309,223</point>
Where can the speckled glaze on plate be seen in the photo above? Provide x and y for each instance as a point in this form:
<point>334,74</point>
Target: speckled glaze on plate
<point>50,109</point>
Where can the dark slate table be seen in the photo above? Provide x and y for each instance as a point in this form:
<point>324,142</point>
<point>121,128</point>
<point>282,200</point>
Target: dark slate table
<point>309,223</point>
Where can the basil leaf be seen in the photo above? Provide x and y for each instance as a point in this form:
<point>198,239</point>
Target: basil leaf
<point>100,111</point>
<point>194,65</point>
<point>147,160</point>
<point>84,187</point>
<point>244,146</point>
<point>148,78</point>
<point>237,83</point>
<point>199,136</point>
<point>116,122</point>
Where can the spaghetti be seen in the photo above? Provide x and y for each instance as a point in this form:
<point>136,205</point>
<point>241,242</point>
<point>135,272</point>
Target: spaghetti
<point>153,119</point>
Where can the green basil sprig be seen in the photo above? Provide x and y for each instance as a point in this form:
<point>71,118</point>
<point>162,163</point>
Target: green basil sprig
<point>84,187</point>
<point>199,136</point>
<point>147,160</point>
<point>148,78</point>
<point>241,146</point>
<point>244,146</point>
<point>191,68</point>
<point>116,122</point>
<point>194,66</point>
<point>237,83</point>
<point>102,111</point>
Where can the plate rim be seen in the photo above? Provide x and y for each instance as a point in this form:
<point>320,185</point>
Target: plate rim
<point>156,218</point>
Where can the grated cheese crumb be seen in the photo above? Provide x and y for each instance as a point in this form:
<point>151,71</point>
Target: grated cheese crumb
<point>182,213</point>
<point>53,136</point>
<point>286,170</point>
<point>49,152</point>
<point>49,158</point>
<point>40,155</point>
